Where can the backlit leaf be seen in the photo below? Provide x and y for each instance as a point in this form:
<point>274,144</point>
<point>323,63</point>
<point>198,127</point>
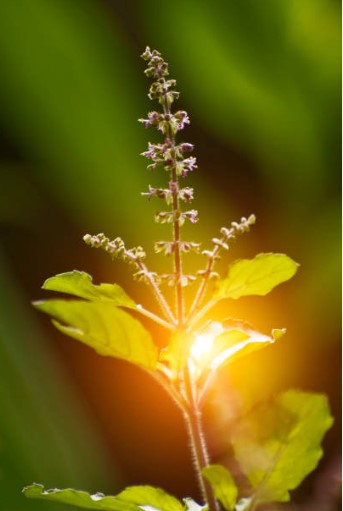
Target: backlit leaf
<point>108,329</point>
<point>234,344</point>
<point>278,443</point>
<point>150,497</point>
<point>224,487</point>
<point>256,276</point>
<point>177,352</point>
<point>213,346</point>
<point>79,283</point>
<point>79,498</point>
<point>218,344</point>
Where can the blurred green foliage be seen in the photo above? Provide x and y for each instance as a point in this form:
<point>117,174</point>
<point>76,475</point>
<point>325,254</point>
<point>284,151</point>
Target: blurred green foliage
<point>261,81</point>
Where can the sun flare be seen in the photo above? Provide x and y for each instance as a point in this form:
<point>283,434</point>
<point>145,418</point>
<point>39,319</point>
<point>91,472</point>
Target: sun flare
<point>203,342</point>
<point>201,346</point>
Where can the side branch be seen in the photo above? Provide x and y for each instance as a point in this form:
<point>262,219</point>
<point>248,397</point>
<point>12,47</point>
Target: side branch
<point>134,256</point>
<point>228,235</point>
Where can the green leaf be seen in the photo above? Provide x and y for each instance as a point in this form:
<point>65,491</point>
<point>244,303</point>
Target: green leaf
<point>79,498</point>
<point>224,487</point>
<point>79,283</point>
<point>278,443</point>
<point>256,276</point>
<point>150,496</point>
<point>109,330</point>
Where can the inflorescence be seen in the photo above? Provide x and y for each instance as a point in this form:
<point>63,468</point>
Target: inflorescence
<point>174,158</point>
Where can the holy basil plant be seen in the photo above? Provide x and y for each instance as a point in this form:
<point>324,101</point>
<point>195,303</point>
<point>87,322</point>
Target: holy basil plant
<point>277,443</point>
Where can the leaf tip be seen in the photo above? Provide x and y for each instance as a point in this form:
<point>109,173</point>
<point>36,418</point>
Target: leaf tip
<point>37,303</point>
<point>32,489</point>
<point>277,333</point>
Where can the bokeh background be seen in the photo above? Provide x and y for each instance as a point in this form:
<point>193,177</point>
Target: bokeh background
<point>261,82</point>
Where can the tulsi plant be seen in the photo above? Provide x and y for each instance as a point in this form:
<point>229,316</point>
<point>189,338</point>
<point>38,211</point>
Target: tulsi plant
<point>277,443</point>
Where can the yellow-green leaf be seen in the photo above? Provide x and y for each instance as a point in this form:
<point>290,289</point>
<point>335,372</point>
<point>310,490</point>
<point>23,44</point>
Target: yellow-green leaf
<point>79,283</point>
<point>235,343</point>
<point>107,329</point>
<point>256,276</point>
<point>219,344</point>
<point>278,443</point>
<point>79,498</point>
<point>177,352</point>
<point>224,487</point>
<point>149,496</point>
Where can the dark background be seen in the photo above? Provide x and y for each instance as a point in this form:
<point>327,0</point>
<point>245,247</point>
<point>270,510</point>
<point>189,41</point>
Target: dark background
<point>261,82</point>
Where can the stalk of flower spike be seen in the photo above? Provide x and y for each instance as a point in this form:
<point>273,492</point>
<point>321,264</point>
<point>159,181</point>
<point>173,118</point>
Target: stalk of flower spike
<point>171,157</point>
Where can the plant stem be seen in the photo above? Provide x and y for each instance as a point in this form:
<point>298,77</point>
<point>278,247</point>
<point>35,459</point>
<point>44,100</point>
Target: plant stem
<point>192,414</point>
<point>177,254</point>
<point>154,317</point>
<point>171,390</point>
<point>159,296</point>
<point>194,320</point>
<point>176,228</point>
<point>203,286</point>
<point>197,441</point>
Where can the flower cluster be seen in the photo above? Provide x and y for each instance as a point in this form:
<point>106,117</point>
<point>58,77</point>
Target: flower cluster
<point>169,155</point>
<point>238,228</point>
<point>158,70</point>
<point>174,158</point>
<point>116,247</point>
<point>229,235</point>
<point>166,123</point>
<point>172,280</point>
<point>168,217</point>
<point>168,247</point>
<point>184,194</point>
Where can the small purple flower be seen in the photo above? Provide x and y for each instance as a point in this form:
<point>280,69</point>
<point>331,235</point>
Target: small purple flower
<point>190,163</point>
<point>145,122</point>
<point>191,215</point>
<point>182,119</point>
<point>185,147</point>
<point>154,117</point>
<point>186,194</point>
<point>151,152</point>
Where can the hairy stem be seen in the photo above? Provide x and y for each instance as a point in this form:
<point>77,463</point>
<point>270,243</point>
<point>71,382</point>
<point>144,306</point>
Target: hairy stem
<point>154,317</point>
<point>192,412</point>
<point>203,286</point>
<point>177,256</point>
<point>197,441</point>
<point>171,390</point>
<point>219,244</point>
<point>191,321</point>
